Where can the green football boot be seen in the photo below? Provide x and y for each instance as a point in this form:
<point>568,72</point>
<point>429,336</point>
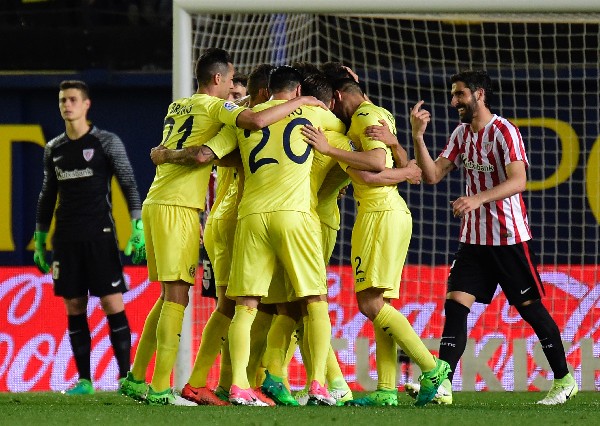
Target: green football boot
<point>82,387</point>
<point>136,389</point>
<point>442,397</point>
<point>274,388</point>
<point>430,382</point>
<point>167,397</point>
<point>379,398</point>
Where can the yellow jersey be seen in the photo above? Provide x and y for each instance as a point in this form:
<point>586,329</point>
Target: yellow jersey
<point>374,198</point>
<point>189,122</point>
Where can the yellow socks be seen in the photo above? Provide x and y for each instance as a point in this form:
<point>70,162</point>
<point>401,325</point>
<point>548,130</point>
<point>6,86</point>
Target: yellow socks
<point>334,375</point>
<point>386,355</point>
<point>147,344</point>
<point>398,328</point>
<point>278,342</point>
<point>168,333</point>
<point>239,344</point>
<point>258,342</point>
<point>319,337</point>
<point>213,335</point>
<point>304,348</point>
<point>294,343</point>
<point>225,367</point>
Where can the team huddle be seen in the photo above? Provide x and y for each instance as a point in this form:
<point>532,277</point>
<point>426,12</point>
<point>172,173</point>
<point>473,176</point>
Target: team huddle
<point>283,159</point>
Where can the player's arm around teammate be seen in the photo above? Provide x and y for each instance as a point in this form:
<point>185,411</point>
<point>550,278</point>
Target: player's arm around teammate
<point>384,134</point>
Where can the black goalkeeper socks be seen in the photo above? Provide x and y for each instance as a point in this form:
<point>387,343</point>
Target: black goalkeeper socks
<point>81,343</point>
<point>120,337</point>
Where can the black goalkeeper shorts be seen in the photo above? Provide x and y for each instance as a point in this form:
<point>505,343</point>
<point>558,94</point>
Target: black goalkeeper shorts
<point>91,267</point>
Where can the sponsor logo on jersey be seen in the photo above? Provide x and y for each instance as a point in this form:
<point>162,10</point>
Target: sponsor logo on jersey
<point>88,154</point>
<point>73,174</point>
<point>352,146</point>
<point>56,159</point>
<point>469,164</point>
<point>230,106</point>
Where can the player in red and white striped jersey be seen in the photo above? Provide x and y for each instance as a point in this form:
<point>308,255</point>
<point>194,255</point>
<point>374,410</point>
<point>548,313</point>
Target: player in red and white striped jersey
<point>485,156</point>
<point>494,231</point>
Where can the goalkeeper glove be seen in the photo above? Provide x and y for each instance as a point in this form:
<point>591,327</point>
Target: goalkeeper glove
<point>39,255</point>
<point>137,242</point>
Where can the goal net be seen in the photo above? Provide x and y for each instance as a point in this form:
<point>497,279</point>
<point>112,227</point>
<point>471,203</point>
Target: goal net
<point>545,69</point>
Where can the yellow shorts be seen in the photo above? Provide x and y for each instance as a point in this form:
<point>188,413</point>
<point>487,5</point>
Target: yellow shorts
<point>328,237</point>
<point>379,246</point>
<point>290,237</point>
<point>172,242</point>
<point>280,289</point>
<point>218,241</point>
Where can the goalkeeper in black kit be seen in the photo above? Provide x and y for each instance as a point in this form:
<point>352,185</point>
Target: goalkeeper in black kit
<point>78,168</point>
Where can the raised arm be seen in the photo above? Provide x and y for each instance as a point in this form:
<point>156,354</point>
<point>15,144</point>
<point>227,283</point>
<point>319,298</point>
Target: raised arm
<point>433,171</point>
<point>372,160</point>
<point>251,120</point>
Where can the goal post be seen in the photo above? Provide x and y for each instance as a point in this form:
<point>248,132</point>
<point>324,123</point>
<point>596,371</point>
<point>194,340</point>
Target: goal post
<point>543,56</point>
<point>385,6</point>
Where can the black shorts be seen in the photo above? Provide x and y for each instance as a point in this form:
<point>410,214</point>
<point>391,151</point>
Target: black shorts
<point>479,269</point>
<point>82,267</point>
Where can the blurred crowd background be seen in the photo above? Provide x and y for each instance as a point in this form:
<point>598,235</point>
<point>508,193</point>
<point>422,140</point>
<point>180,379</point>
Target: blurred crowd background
<point>40,35</point>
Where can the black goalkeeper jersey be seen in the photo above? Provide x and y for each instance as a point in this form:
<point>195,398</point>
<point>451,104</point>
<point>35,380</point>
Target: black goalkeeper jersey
<point>79,172</point>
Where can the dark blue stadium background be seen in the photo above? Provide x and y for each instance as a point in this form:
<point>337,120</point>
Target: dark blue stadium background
<point>133,106</point>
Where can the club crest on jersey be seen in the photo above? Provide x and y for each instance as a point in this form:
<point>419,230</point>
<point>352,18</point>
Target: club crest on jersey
<point>230,106</point>
<point>487,146</point>
<point>88,154</point>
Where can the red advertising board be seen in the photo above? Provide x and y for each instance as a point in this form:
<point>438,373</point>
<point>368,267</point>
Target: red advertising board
<point>502,353</point>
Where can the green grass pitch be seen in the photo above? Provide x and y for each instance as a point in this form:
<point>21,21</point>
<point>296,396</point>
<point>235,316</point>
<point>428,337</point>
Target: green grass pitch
<point>470,408</point>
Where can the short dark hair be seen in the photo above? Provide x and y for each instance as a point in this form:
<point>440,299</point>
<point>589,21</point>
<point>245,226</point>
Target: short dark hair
<point>476,79</point>
<point>213,61</point>
<point>76,84</point>
<point>284,78</point>
<point>317,85</point>
<point>259,79</point>
<point>335,70</point>
<point>306,68</point>
<point>240,79</point>
<point>348,85</point>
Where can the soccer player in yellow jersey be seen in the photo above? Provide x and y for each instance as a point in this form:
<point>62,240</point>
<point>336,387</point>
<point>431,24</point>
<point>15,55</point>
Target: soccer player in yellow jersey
<point>172,208</point>
<point>380,240</point>
<point>327,178</point>
<point>219,232</point>
<point>276,223</point>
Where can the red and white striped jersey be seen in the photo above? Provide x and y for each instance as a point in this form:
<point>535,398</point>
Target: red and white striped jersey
<point>484,156</point>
